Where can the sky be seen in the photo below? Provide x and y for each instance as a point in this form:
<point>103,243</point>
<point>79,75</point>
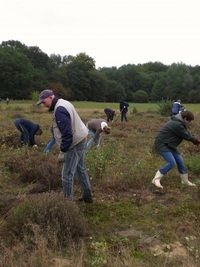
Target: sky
<point>112,32</point>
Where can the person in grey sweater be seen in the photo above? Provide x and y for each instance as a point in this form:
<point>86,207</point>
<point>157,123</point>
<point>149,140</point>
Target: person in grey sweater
<point>166,143</point>
<point>96,127</point>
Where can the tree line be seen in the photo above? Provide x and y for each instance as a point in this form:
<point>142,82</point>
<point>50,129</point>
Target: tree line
<point>27,69</point>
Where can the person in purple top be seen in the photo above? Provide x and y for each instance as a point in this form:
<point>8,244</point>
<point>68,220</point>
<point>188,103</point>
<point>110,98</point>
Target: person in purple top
<point>110,113</point>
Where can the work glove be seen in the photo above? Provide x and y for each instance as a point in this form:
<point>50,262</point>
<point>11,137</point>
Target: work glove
<point>49,146</point>
<point>61,157</point>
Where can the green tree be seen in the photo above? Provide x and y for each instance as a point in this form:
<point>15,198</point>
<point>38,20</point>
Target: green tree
<point>16,72</point>
<point>140,96</point>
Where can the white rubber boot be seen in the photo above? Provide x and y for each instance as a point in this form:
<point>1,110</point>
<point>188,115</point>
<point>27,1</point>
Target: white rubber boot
<point>157,178</point>
<point>184,180</point>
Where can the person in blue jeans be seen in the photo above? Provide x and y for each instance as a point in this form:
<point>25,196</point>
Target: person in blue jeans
<point>28,130</point>
<point>166,143</point>
<point>70,134</point>
<point>96,127</point>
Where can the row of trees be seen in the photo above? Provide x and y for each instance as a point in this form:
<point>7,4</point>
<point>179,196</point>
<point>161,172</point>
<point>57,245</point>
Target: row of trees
<point>24,70</point>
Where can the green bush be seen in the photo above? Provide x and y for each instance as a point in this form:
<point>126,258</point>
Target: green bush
<point>164,108</point>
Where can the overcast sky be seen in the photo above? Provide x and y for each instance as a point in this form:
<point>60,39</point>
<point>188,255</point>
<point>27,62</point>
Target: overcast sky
<point>112,32</point>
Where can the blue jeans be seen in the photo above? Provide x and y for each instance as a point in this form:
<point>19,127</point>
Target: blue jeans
<point>74,163</point>
<point>24,138</point>
<point>93,140</point>
<point>173,159</point>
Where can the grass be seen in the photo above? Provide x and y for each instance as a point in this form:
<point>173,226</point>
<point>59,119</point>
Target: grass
<point>130,223</point>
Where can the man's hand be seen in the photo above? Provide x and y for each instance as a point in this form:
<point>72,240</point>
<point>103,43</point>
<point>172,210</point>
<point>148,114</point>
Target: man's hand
<point>61,157</point>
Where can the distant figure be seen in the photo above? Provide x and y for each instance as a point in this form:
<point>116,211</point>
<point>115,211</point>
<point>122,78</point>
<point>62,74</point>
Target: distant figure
<point>7,100</point>
<point>123,107</point>
<point>110,113</point>
<point>177,107</point>
<point>96,127</point>
<point>28,130</point>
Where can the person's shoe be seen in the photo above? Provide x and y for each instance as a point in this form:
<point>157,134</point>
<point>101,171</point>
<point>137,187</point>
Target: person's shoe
<point>157,178</point>
<point>86,199</point>
<point>185,181</point>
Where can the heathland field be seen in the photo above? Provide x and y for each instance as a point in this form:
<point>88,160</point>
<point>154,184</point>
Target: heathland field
<point>130,223</point>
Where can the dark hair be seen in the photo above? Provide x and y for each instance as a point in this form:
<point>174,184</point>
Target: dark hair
<point>188,115</point>
<point>39,131</point>
<point>106,130</point>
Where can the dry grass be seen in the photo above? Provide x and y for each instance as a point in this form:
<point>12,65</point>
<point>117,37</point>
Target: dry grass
<point>130,223</point>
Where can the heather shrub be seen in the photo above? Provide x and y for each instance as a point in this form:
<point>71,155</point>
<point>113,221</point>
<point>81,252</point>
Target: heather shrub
<point>49,215</point>
<point>35,167</point>
<point>10,139</point>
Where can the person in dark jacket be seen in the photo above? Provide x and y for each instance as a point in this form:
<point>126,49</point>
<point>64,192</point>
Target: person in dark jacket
<point>123,107</point>
<point>70,134</point>
<point>28,130</point>
<point>166,143</point>
<point>110,113</point>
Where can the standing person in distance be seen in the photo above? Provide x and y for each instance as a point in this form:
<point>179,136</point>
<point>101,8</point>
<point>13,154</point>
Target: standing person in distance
<point>166,143</point>
<point>96,127</point>
<point>28,130</point>
<point>70,134</point>
<point>123,107</point>
<point>177,107</point>
<point>110,113</point>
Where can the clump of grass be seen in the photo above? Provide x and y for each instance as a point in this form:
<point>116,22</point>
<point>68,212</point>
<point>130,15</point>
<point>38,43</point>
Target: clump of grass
<point>35,167</point>
<point>193,164</point>
<point>10,139</point>
<point>53,217</point>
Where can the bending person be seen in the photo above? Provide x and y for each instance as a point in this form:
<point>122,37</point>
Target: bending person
<point>96,127</point>
<point>28,130</point>
<point>166,142</point>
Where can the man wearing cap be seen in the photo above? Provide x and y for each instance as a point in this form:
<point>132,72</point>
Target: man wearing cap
<point>28,130</point>
<point>96,127</point>
<point>70,134</point>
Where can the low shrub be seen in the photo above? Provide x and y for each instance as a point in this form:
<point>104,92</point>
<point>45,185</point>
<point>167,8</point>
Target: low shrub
<point>36,167</point>
<point>164,108</point>
<point>48,215</point>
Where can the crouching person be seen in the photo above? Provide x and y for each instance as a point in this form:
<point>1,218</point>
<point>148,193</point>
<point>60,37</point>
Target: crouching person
<point>96,127</point>
<point>166,143</point>
<point>28,130</point>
